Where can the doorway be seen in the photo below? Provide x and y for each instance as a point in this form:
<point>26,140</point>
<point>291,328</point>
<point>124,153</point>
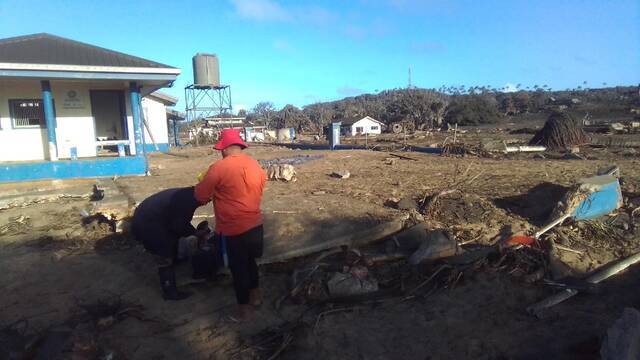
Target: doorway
<point>109,116</point>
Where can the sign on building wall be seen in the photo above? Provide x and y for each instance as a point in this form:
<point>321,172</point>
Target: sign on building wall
<point>72,100</point>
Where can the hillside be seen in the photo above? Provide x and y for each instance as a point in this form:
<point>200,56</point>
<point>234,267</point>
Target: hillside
<point>425,108</point>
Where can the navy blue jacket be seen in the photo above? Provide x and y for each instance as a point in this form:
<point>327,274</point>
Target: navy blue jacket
<point>170,209</point>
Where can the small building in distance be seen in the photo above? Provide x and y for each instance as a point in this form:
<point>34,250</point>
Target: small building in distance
<point>361,126</point>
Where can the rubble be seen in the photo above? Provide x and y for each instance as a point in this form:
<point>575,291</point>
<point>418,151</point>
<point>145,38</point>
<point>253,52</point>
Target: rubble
<point>355,282</point>
<point>460,259</point>
<point>16,225</point>
<point>601,274</point>
<point>436,245</point>
<point>284,172</point>
<point>293,160</point>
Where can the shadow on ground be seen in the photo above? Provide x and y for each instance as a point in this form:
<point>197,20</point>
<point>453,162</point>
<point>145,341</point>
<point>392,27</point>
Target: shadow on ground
<point>535,205</point>
<point>102,299</point>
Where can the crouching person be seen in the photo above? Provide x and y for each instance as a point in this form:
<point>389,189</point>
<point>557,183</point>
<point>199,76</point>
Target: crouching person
<point>159,222</point>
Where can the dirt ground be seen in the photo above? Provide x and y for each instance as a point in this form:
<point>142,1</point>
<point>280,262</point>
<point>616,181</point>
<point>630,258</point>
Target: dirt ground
<point>74,288</point>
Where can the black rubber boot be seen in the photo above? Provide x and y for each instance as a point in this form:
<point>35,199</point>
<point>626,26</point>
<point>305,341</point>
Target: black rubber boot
<point>168,283</point>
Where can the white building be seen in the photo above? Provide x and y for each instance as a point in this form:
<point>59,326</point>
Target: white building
<point>361,126</point>
<point>63,103</point>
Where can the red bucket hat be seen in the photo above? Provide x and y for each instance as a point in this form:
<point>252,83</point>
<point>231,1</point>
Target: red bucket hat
<point>230,137</point>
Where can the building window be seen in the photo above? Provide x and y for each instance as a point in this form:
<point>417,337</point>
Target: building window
<point>374,128</point>
<point>27,113</point>
<point>359,129</point>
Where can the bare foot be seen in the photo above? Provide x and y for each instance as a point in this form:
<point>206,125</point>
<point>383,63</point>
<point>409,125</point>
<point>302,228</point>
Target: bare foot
<point>255,297</point>
<point>242,314</point>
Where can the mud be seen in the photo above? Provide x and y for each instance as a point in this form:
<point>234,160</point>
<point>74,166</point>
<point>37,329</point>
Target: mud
<point>53,265</point>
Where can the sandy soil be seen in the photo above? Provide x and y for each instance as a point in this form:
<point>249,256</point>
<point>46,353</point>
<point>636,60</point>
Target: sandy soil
<point>82,291</point>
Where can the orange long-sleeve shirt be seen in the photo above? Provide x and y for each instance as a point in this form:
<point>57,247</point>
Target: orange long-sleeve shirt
<point>235,185</point>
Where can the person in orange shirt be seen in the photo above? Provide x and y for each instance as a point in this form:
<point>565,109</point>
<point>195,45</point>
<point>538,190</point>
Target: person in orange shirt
<point>235,186</point>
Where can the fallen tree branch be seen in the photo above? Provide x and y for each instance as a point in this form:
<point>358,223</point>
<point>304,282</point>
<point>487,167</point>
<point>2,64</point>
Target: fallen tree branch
<point>404,157</point>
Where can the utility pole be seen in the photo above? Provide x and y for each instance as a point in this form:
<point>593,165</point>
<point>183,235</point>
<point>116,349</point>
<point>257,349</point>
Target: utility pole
<point>409,82</point>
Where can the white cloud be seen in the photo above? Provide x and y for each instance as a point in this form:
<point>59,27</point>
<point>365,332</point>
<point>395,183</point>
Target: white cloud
<point>261,10</point>
<point>272,11</point>
<point>509,87</point>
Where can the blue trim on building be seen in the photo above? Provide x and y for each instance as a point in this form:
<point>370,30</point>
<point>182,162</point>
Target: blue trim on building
<point>149,148</point>
<point>85,75</point>
<point>70,169</point>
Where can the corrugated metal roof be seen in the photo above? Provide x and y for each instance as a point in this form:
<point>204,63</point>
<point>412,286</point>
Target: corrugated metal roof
<point>353,120</point>
<point>45,48</point>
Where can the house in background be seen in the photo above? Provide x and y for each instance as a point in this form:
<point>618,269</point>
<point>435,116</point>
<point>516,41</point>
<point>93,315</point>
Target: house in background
<point>156,112</point>
<point>61,101</point>
<point>361,126</point>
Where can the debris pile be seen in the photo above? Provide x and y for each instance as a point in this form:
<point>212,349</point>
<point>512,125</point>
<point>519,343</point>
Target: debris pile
<point>462,149</point>
<point>354,282</point>
<point>455,207</point>
<point>283,172</point>
<point>561,131</point>
<point>293,160</point>
<point>80,336</point>
<point>17,225</point>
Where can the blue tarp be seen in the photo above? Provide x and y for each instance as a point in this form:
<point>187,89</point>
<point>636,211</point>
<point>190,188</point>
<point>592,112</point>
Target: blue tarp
<point>605,197</point>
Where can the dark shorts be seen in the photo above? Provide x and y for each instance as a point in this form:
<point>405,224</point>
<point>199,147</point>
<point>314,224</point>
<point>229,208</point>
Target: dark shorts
<point>156,239</point>
<point>250,242</point>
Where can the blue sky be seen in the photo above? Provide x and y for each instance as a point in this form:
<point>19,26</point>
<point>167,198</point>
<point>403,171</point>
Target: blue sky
<point>303,52</point>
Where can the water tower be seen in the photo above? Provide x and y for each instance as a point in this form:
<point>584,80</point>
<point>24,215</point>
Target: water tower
<point>206,99</point>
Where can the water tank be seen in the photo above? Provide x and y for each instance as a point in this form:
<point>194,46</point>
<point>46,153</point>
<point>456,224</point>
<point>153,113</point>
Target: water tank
<point>206,70</point>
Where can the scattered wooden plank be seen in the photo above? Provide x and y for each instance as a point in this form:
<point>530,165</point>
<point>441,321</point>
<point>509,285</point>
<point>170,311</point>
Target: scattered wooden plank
<point>351,240</point>
<point>404,157</point>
